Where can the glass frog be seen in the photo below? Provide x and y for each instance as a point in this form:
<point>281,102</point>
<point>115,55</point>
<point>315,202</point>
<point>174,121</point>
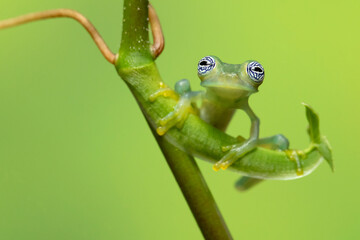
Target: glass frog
<point>228,87</point>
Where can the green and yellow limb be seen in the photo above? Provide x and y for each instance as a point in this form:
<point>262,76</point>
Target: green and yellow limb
<point>277,142</point>
<point>181,110</point>
<point>236,151</point>
<point>164,91</point>
<point>296,156</point>
<point>176,117</point>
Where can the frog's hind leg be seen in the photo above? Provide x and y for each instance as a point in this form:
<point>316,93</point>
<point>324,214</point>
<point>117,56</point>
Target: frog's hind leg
<point>276,142</point>
<point>245,183</point>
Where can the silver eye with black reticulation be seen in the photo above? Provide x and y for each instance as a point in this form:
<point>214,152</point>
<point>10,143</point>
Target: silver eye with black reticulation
<point>206,64</point>
<point>255,71</point>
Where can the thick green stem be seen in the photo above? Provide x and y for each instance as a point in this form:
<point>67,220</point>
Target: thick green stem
<point>134,49</point>
<point>195,191</point>
<point>134,52</point>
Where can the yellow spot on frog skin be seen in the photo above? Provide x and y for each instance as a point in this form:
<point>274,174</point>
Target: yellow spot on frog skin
<point>296,155</point>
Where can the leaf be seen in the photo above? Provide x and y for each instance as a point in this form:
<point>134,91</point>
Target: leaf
<point>325,150</point>
<point>313,120</point>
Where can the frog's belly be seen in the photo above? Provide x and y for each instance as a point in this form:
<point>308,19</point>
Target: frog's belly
<point>216,115</point>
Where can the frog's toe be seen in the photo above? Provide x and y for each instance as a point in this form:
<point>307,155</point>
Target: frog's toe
<point>228,159</point>
<point>183,114</point>
<point>182,120</point>
<point>161,130</point>
<point>163,91</point>
<point>217,166</point>
<point>178,116</point>
<point>234,152</point>
<point>165,120</point>
<point>225,162</point>
<point>296,156</point>
<point>166,123</point>
<point>174,118</point>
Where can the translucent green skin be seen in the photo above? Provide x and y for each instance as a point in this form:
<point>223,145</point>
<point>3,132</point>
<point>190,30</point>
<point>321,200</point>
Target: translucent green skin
<point>204,141</point>
<point>228,87</point>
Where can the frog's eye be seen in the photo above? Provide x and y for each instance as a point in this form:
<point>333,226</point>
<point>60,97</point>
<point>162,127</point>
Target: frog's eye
<point>255,71</point>
<point>206,64</point>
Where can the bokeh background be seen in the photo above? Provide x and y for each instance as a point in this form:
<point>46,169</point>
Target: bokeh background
<point>77,160</point>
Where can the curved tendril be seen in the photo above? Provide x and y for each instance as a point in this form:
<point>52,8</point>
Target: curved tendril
<point>158,38</point>
<point>69,13</point>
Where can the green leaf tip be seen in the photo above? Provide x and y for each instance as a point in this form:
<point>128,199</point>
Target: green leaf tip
<point>320,142</point>
<point>313,120</point>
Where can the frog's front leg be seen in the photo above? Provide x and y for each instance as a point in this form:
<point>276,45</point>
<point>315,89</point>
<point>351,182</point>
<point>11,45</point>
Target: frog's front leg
<point>276,142</point>
<point>181,110</point>
<point>234,152</point>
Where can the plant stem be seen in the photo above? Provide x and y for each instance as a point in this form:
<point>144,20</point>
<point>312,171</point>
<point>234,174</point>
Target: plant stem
<point>134,52</point>
<point>195,191</point>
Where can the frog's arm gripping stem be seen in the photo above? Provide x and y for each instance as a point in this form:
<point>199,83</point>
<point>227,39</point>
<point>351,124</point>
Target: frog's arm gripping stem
<point>158,38</point>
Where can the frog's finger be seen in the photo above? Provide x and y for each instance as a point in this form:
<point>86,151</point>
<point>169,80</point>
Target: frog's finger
<point>228,159</point>
<point>184,113</point>
<point>161,130</point>
<point>163,91</point>
<point>296,156</point>
<point>175,118</point>
<point>168,118</point>
<point>233,158</point>
<point>219,165</point>
<point>164,121</point>
<point>216,167</point>
<point>228,163</point>
<point>236,152</point>
<point>166,124</point>
<point>182,118</point>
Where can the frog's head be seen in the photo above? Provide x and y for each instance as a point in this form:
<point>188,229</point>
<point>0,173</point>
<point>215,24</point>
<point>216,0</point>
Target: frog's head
<point>230,80</point>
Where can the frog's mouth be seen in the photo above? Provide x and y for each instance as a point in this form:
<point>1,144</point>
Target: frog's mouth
<point>229,91</point>
<point>243,87</point>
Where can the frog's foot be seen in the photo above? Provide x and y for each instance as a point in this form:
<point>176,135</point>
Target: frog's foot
<point>176,117</point>
<point>164,91</point>
<point>234,152</point>
<point>296,156</point>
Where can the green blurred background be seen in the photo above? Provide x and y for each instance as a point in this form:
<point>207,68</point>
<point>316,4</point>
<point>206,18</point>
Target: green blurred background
<point>72,137</point>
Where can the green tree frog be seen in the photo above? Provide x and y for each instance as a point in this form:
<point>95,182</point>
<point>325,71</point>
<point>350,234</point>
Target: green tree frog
<point>228,87</point>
